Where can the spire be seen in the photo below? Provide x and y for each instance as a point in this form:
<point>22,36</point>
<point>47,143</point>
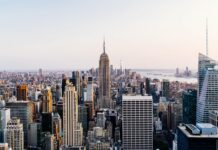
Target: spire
<point>206,37</point>
<point>104,45</point>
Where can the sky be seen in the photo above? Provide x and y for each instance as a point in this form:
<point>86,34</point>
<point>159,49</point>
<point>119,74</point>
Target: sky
<point>68,34</point>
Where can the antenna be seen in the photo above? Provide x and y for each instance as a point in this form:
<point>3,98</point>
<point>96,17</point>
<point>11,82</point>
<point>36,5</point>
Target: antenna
<point>104,45</point>
<point>206,37</point>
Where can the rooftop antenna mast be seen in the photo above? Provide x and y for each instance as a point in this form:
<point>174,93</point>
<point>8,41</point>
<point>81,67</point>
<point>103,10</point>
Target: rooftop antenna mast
<point>206,37</point>
<point>104,45</point>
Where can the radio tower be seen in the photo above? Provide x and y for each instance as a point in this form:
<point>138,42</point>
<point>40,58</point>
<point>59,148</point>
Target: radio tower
<point>206,37</point>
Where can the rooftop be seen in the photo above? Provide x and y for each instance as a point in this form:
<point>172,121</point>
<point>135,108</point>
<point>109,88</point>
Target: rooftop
<point>205,125</point>
<point>184,129</point>
<point>136,98</point>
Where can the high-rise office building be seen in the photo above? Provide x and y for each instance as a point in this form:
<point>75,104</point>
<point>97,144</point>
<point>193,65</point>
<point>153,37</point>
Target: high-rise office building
<point>46,101</point>
<point>22,92</point>
<point>203,136</point>
<point>189,101</point>
<point>90,92</point>
<point>40,72</point>
<point>70,117</point>
<point>206,91</point>
<point>137,124</point>
<point>83,117</point>
<point>24,111</point>
<point>204,62</point>
<point>148,86</point>
<point>166,88</point>
<point>104,80</point>
<point>47,124</point>
<point>34,134</point>
<point>75,80</point>
<point>64,83</point>
<point>207,99</point>
<point>5,117</point>
<point>48,141</point>
<point>170,116</point>
<point>57,127</point>
<point>14,134</point>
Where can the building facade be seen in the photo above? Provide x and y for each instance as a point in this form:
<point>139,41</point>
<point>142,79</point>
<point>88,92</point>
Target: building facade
<point>22,92</point>
<point>189,100</point>
<point>14,135</point>
<point>208,97</point>
<point>206,91</point>
<point>70,117</point>
<point>137,124</point>
<point>24,111</point>
<point>47,101</point>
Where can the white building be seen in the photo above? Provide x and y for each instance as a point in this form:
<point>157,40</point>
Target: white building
<point>70,117</point>
<point>137,124</point>
<point>5,117</point>
<point>14,135</point>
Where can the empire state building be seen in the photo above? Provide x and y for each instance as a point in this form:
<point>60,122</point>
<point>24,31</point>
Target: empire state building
<point>104,80</point>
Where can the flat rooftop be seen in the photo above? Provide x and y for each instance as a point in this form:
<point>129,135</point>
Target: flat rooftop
<point>184,130</point>
<point>136,98</point>
<point>205,125</point>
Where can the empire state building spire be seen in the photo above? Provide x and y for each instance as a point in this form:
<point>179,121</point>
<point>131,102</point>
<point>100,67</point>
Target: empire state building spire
<point>104,80</point>
<point>104,46</point>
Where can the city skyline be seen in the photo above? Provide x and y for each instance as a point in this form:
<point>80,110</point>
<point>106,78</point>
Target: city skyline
<point>68,35</point>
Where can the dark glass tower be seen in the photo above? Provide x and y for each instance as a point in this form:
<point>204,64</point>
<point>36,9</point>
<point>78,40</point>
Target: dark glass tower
<point>189,100</point>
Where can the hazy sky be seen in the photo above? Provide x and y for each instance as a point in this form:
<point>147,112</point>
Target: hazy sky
<point>68,34</point>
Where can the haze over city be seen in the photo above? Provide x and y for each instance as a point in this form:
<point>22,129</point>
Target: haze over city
<point>69,34</point>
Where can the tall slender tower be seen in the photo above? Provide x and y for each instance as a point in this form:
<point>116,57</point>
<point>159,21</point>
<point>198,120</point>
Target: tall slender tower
<point>104,80</point>
<point>207,37</point>
<point>72,129</point>
<point>207,91</point>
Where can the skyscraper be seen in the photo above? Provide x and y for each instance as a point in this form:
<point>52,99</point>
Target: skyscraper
<point>24,111</point>
<point>72,129</point>
<point>204,63</point>
<point>209,94</point>
<point>90,98</point>
<point>14,134</point>
<point>64,82</point>
<point>189,100</point>
<point>203,136</point>
<point>137,125</point>
<point>104,80</point>
<point>47,101</point>
<point>22,92</point>
<point>166,88</point>
<point>90,91</point>
<point>5,117</point>
<point>75,80</point>
<point>34,134</point>
<point>207,83</point>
